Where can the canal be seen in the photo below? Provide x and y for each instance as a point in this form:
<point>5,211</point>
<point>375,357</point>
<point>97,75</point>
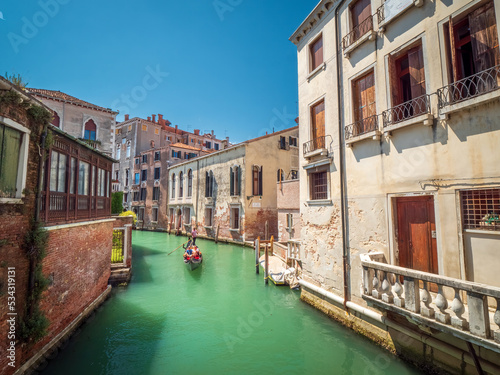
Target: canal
<point>217,319</point>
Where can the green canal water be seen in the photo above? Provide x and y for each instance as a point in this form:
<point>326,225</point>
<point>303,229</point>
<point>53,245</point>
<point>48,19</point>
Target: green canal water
<point>218,319</point>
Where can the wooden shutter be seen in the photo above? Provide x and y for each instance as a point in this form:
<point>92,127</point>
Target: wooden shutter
<point>317,53</point>
<point>484,38</point>
<point>394,82</point>
<point>318,120</point>
<point>360,11</point>
<point>417,74</point>
<point>239,181</point>
<point>231,183</point>
<point>207,181</point>
<point>260,180</point>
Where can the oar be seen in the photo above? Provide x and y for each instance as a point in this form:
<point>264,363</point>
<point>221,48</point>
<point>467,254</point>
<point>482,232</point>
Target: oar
<point>178,247</point>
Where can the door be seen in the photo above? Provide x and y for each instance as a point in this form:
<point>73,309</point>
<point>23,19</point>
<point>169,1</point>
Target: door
<point>416,233</point>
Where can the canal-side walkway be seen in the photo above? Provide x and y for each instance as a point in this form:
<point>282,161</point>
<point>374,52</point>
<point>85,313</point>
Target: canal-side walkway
<point>217,319</point>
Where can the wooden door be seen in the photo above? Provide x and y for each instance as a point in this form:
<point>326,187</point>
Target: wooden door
<point>416,233</point>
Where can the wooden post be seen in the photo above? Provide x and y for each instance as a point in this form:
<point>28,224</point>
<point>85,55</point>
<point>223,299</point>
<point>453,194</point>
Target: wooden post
<point>272,245</point>
<point>257,255</point>
<point>266,231</point>
<point>266,265</point>
<point>217,234</point>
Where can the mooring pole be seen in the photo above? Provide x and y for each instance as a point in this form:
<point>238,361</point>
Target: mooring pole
<point>266,263</point>
<point>266,231</point>
<point>257,255</point>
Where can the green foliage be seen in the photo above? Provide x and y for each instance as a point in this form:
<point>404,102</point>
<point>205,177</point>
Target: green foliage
<point>130,213</point>
<point>33,326</point>
<point>16,79</point>
<point>116,202</point>
<point>39,115</point>
<point>11,97</point>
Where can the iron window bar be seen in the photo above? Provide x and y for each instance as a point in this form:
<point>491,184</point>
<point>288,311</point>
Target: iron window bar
<point>316,143</point>
<point>361,127</point>
<point>380,14</point>
<point>358,31</point>
<point>407,110</point>
<point>470,87</point>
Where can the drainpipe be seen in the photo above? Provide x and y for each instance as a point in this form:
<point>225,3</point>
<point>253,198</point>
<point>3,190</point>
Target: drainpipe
<point>197,191</point>
<point>343,203</point>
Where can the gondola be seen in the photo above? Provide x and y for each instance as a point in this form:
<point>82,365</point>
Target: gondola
<point>193,262</point>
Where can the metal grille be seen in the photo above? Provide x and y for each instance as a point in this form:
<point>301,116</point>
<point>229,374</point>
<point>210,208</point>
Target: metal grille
<point>357,32</point>
<point>381,14</point>
<point>477,84</point>
<point>117,249</point>
<point>481,209</point>
<point>316,143</point>
<point>319,186</point>
<point>364,126</point>
<point>407,110</point>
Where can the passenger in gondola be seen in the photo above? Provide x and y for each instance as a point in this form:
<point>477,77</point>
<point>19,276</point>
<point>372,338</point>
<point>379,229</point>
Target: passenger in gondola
<point>196,252</point>
<point>188,244</point>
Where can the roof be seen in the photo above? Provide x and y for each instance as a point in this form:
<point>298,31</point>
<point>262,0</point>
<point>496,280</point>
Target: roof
<point>182,145</point>
<point>317,14</point>
<point>271,134</point>
<point>61,96</point>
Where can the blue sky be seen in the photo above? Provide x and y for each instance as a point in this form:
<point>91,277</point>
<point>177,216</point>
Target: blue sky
<point>225,65</point>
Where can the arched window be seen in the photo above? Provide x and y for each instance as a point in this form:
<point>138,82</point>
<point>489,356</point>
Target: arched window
<point>181,184</point>
<point>235,180</point>
<point>128,149</point>
<point>209,184</point>
<point>118,151</point>
<point>190,183</point>
<point>90,130</point>
<point>257,180</point>
<point>280,175</point>
<point>56,121</point>
<point>173,185</point>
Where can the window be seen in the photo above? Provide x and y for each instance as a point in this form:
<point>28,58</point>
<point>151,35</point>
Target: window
<point>136,196</point>
<point>292,141</point>
<point>125,198</point>
<point>319,185</point>
<point>256,180</point>
<point>156,193</point>
<point>13,161</point>
<point>235,178</point>
<point>316,53</point>
<point>209,184</point>
<point>295,175</point>
<point>144,193</point>
<point>137,178</point>
<point>58,172</point>
<point>187,215</point>
<point>407,82</point>
<point>473,46</point>
<point>481,209</point>
<point>154,214</point>
<point>118,152</point>
<point>235,218</point>
<point>83,178</point>
<point>157,173</point>
<point>72,176</point>
<point>144,128</point>
<point>129,146</point>
<point>127,176</point>
<point>176,154</point>
<point>145,158</point>
<point>280,175</point>
<point>361,19</point>
<point>181,184</point>
<point>365,116</point>
<point>173,185</point>
<point>137,160</point>
<point>157,155</point>
<point>140,216</point>
<point>144,175</point>
<point>102,185</point>
<point>289,222</point>
<point>56,121</point>
<point>190,183</point>
<point>129,128</point>
<point>157,131</point>
<point>216,146</point>
<point>209,145</point>
<point>282,143</point>
<point>318,125</point>
<point>124,140</point>
<point>90,130</point>
<point>208,216</point>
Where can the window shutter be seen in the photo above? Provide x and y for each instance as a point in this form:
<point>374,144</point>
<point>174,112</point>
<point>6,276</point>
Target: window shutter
<point>417,74</point>
<point>231,183</point>
<point>484,38</point>
<point>393,81</point>
<point>260,180</point>
<point>207,177</point>
<point>239,181</point>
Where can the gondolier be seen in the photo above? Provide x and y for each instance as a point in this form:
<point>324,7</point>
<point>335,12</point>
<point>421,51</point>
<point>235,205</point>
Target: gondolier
<point>194,234</point>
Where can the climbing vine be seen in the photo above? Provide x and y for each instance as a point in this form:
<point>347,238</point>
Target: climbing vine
<point>34,325</point>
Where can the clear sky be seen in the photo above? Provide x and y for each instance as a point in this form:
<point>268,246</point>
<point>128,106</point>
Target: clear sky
<point>225,65</point>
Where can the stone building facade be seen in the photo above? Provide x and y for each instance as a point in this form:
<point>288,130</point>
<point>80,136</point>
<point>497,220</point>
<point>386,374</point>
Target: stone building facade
<point>288,204</point>
<point>232,193</point>
<point>398,107</point>
<point>80,119</point>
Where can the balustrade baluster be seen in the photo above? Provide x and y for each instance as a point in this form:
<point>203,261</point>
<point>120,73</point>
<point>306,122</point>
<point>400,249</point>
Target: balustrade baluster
<point>398,289</point>
<point>376,284</point>
<point>368,280</point>
<point>387,295</point>
<point>442,304</point>
<point>479,318</point>
<point>426,298</point>
<point>458,308</point>
<point>412,296</point>
<point>496,319</point>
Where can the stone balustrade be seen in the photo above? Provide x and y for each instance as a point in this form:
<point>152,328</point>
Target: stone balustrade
<point>425,298</point>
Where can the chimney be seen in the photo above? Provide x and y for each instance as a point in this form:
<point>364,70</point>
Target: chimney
<point>160,118</point>
<point>149,118</point>
<point>212,133</point>
<point>196,131</point>
<point>154,118</point>
<point>126,117</point>
<point>176,126</point>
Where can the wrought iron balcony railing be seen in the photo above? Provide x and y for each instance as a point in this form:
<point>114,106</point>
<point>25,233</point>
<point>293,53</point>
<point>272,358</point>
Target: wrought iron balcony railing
<point>381,14</point>
<point>316,144</point>
<point>360,127</point>
<point>470,87</point>
<point>357,32</point>
<point>407,110</point>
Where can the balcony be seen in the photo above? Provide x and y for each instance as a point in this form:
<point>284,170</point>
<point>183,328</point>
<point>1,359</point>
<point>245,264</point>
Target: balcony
<point>317,146</point>
<point>391,9</point>
<point>434,302</point>
<point>362,129</point>
<point>414,111</point>
<point>358,35</point>
<point>91,142</point>
<point>468,92</point>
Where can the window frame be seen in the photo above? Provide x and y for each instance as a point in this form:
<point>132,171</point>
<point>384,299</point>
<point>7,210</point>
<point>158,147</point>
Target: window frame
<point>311,193</point>
<point>233,219</point>
<point>313,64</point>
